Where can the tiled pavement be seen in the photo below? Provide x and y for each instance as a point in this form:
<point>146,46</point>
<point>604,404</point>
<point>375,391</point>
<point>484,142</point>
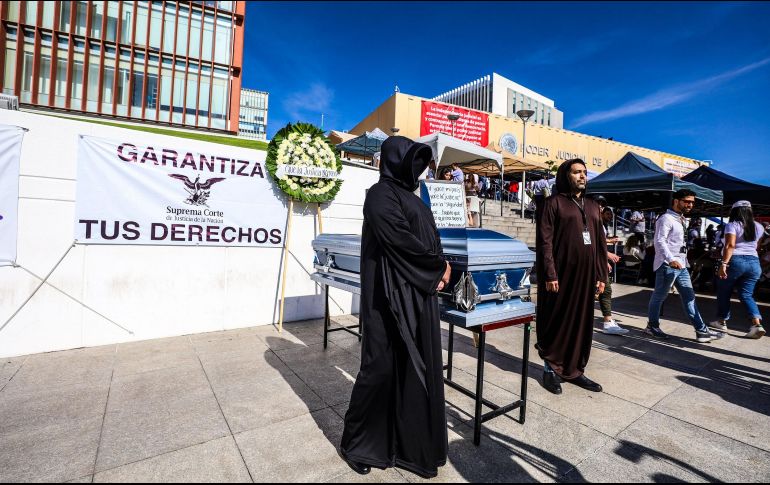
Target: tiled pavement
<point>253,404</point>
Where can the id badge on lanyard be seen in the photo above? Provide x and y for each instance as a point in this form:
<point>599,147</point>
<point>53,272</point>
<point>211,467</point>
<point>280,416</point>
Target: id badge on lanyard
<point>586,234</point>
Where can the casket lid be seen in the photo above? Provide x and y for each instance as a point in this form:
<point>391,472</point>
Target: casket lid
<point>481,247</point>
<point>338,243</point>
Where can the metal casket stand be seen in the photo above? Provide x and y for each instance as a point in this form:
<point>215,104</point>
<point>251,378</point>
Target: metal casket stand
<point>478,396</point>
<point>484,265</point>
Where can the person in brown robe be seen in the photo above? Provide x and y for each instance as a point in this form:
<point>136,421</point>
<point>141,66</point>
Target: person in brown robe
<point>572,268</point>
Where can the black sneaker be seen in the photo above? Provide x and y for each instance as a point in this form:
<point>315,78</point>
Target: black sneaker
<point>656,332</point>
<point>703,337</point>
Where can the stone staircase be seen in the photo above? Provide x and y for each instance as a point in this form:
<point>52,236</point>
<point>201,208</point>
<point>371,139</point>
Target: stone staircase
<point>510,223</point>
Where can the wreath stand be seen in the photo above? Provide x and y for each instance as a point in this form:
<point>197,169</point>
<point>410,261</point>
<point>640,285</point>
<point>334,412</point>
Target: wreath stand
<point>286,254</point>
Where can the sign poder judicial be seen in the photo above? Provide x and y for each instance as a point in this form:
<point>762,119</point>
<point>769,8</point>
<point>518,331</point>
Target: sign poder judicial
<point>134,193</point>
<point>471,126</point>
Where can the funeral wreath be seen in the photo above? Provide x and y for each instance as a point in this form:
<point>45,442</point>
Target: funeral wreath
<point>304,164</point>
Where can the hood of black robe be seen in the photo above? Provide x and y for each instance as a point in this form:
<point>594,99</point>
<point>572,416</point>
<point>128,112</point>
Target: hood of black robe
<point>403,160</point>
<point>562,175</point>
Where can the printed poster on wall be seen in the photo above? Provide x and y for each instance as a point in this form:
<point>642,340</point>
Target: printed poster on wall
<point>472,126</point>
<point>129,192</point>
<point>10,155</point>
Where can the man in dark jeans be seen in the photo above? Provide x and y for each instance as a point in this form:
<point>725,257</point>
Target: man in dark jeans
<point>671,269</point>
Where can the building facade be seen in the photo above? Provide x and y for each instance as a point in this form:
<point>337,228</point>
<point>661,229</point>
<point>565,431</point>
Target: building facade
<point>252,119</point>
<point>415,117</point>
<point>501,96</point>
<point>173,63</point>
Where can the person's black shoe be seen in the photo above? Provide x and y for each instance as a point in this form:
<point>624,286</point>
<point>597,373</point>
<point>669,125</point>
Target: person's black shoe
<point>359,468</point>
<point>552,382</point>
<point>585,383</point>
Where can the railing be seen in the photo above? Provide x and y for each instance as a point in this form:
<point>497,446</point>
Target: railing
<point>9,102</point>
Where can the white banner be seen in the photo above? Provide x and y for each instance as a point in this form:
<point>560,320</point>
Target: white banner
<point>447,202</point>
<point>680,168</point>
<point>10,154</point>
<point>133,193</point>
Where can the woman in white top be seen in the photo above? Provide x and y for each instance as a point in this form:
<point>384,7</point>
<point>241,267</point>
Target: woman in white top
<point>633,248</point>
<point>740,267</point>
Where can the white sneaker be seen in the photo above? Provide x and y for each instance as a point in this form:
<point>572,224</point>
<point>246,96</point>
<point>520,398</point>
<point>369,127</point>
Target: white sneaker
<point>612,328</point>
<point>757,331</point>
<point>718,325</point>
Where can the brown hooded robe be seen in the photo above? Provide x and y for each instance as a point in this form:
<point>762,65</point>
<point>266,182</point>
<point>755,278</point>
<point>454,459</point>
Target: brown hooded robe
<point>396,415</point>
<point>565,319</point>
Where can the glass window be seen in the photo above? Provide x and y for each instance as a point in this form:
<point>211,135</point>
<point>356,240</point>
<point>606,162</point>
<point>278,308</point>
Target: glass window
<point>80,18</point>
<point>60,92</point>
<point>13,11</point>
<point>165,91</point>
<point>182,29</point>
<point>203,97</point>
<point>77,84</point>
<point>107,83</point>
<point>113,8</point>
<point>92,97</point>
<point>208,37</point>
<point>218,103</point>
<point>168,29</point>
<point>223,46</point>
<point>156,25</point>
<point>64,16</point>
<point>97,14</point>
<point>26,78</point>
<point>151,97</point>
<point>141,24</point>
<point>178,98</point>
<point>137,79</point>
<point>44,83</point>
<point>10,69</point>
<point>31,15</point>
<point>191,103</point>
<point>125,22</point>
<point>122,92</point>
<point>48,8</point>
<point>195,35</point>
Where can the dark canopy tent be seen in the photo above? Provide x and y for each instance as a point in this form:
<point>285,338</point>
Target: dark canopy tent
<point>636,182</point>
<point>367,144</point>
<point>734,189</point>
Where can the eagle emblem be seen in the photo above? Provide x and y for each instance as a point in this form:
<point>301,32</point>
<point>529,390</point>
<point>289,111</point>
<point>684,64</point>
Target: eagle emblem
<point>198,191</point>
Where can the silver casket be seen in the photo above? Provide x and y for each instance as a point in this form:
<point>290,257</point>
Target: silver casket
<point>489,282</point>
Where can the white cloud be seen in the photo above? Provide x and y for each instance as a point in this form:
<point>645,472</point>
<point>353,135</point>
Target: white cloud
<point>309,104</point>
<point>668,96</point>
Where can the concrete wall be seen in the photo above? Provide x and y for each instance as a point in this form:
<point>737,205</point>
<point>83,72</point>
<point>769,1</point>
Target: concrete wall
<point>153,291</point>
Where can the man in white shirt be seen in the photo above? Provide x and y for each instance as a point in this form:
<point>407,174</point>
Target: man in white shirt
<point>670,268</point>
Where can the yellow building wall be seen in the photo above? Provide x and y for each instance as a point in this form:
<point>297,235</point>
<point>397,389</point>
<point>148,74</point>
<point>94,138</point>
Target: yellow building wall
<point>544,143</point>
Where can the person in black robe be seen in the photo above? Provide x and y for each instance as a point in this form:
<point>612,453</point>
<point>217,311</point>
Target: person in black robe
<point>397,415</point>
<point>572,259</point>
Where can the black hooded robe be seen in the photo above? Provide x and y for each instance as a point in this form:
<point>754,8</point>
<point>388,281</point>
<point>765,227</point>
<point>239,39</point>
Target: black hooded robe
<point>565,319</point>
<point>397,412</point>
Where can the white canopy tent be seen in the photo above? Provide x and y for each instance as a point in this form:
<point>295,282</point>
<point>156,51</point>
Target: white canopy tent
<point>448,150</point>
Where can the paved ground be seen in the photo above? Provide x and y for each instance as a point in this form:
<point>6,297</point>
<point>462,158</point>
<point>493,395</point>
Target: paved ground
<point>255,405</point>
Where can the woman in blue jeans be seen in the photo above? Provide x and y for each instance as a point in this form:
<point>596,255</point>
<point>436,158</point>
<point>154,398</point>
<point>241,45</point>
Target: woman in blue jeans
<point>740,267</point>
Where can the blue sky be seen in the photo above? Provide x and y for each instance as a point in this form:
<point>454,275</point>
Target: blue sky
<point>687,78</point>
